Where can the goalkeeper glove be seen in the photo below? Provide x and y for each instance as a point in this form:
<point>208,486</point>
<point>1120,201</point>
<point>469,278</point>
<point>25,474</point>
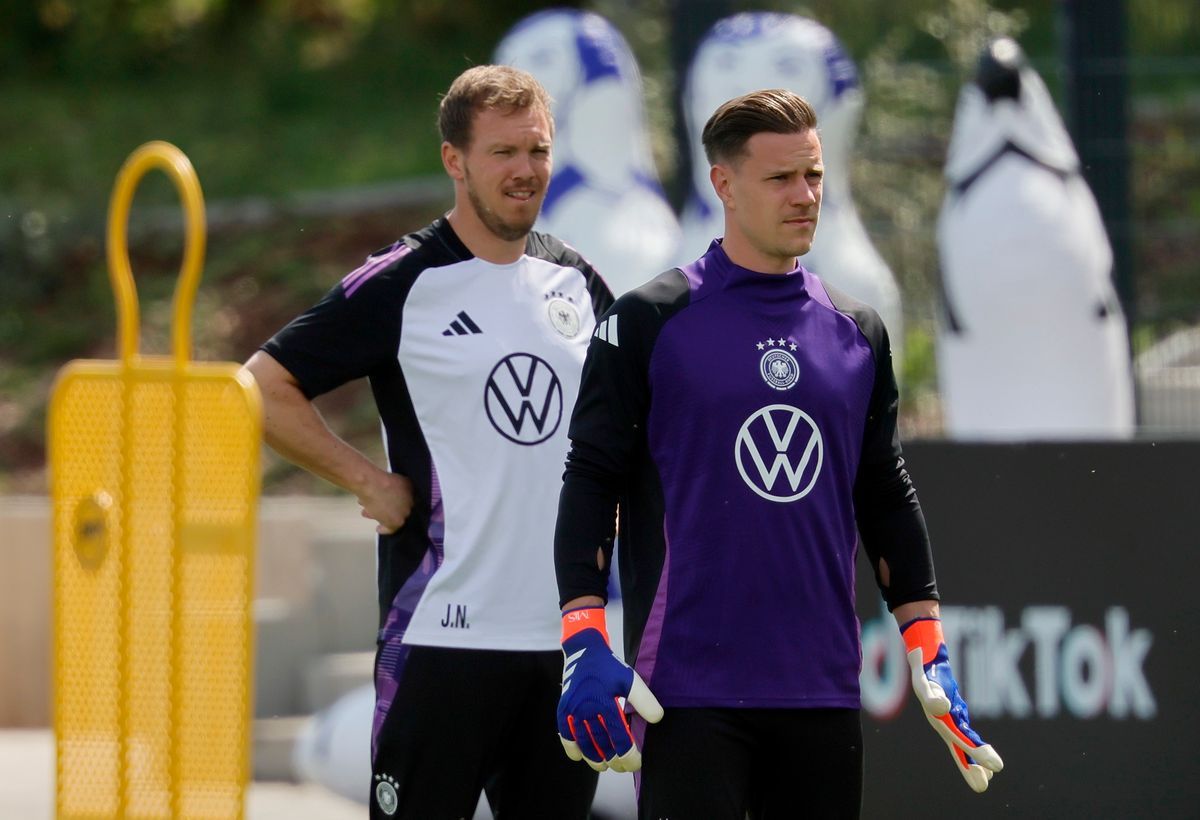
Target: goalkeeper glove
<point>946,711</point>
<point>591,720</point>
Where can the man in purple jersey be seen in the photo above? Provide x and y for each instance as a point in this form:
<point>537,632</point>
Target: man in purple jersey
<point>472,332</point>
<point>742,414</point>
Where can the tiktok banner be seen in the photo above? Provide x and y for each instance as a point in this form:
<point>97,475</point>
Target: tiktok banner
<point>1069,576</point>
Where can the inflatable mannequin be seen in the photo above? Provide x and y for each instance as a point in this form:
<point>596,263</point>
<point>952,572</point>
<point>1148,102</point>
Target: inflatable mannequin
<point>1034,343</point>
<point>604,198</point>
<point>756,50</point>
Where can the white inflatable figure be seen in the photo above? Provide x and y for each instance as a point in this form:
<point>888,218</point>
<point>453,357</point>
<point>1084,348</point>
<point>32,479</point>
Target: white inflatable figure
<point>756,50</point>
<point>334,749</point>
<point>604,198</point>
<point>1034,343</point>
<point>334,746</point>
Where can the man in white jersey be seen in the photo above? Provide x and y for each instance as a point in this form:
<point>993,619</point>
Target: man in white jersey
<point>472,332</point>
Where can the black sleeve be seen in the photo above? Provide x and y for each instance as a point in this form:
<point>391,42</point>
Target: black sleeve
<point>608,432</point>
<point>343,337</point>
<point>890,522</point>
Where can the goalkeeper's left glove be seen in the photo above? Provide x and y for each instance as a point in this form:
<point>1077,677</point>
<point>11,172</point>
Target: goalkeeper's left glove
<point>946,711</point>
<point>591,721</point>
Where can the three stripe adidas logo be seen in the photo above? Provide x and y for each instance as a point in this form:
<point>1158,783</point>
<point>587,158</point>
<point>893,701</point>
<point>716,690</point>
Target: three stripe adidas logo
<point>606,331</point>
<point>462,326</point>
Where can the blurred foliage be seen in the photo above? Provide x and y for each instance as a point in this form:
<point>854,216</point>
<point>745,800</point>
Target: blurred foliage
<point>265,97</point>
<point>274,97</point>
<point>1165,28</point>
<point>113,38</point>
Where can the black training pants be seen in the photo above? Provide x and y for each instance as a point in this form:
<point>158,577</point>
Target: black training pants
<point>765,764</point>
<point>463,720</point>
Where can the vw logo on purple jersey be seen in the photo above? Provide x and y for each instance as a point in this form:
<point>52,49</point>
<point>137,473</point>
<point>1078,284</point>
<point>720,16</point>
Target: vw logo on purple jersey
<point>524,399</point>
<point>779,452</point>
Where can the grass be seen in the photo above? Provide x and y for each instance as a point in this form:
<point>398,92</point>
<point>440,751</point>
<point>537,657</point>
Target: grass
<point>247,133</point>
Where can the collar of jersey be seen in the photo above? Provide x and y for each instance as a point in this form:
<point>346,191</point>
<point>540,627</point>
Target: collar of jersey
<point>732,272</point>
<point>445,233</point>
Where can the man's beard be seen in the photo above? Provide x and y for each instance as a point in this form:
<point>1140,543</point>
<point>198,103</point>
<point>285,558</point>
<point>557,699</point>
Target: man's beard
<point>504,230</point>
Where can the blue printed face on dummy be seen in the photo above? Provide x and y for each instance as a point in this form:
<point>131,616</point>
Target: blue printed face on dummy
<point>604,198</point>
<point>590,72</point>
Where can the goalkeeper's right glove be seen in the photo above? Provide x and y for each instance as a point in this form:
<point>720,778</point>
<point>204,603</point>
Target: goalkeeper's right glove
<point>591,720</point>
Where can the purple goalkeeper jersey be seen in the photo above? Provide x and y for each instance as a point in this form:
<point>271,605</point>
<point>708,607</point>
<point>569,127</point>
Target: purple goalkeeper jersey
<point>745,422</point>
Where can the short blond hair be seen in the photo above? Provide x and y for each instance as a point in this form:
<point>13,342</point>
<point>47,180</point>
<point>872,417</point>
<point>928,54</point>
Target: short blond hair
<point>488,86</point>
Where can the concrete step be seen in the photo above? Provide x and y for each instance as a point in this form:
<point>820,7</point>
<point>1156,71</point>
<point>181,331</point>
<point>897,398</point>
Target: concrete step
<point>274,741</point>
<point>328,677</point>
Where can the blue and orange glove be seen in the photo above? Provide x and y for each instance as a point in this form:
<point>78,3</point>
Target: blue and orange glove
<point>591,719</point>
<point>945,709</point>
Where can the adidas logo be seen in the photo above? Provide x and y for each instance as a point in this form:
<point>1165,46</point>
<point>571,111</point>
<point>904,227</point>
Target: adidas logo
<point>462,326</point>
<point>607,330</point>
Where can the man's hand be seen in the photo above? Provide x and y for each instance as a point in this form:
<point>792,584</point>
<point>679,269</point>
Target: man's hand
<point>387,500</point>
<point>296,430</point>
<point>591,719</point>
<point>946,711</point>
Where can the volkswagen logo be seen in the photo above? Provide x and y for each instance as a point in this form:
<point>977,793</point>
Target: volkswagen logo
<point>524,399</point>
<point>779,452</point>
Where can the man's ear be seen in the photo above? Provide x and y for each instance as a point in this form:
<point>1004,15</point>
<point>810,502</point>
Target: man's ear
<point>722,182</point>
<point>452,161</point>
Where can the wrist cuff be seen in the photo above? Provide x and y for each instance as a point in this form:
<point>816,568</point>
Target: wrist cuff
<point>575,621</point>
<point>924,634</point>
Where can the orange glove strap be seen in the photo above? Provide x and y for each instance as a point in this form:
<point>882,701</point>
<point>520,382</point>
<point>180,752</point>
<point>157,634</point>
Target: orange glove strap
<point>924,634</point>
<point>577,620</point>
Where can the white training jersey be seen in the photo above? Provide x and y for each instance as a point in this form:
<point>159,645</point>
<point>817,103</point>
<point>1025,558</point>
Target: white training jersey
<point>475,368</point>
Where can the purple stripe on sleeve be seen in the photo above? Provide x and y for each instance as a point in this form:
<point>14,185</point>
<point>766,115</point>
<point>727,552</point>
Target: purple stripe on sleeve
<point>354,280</point>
